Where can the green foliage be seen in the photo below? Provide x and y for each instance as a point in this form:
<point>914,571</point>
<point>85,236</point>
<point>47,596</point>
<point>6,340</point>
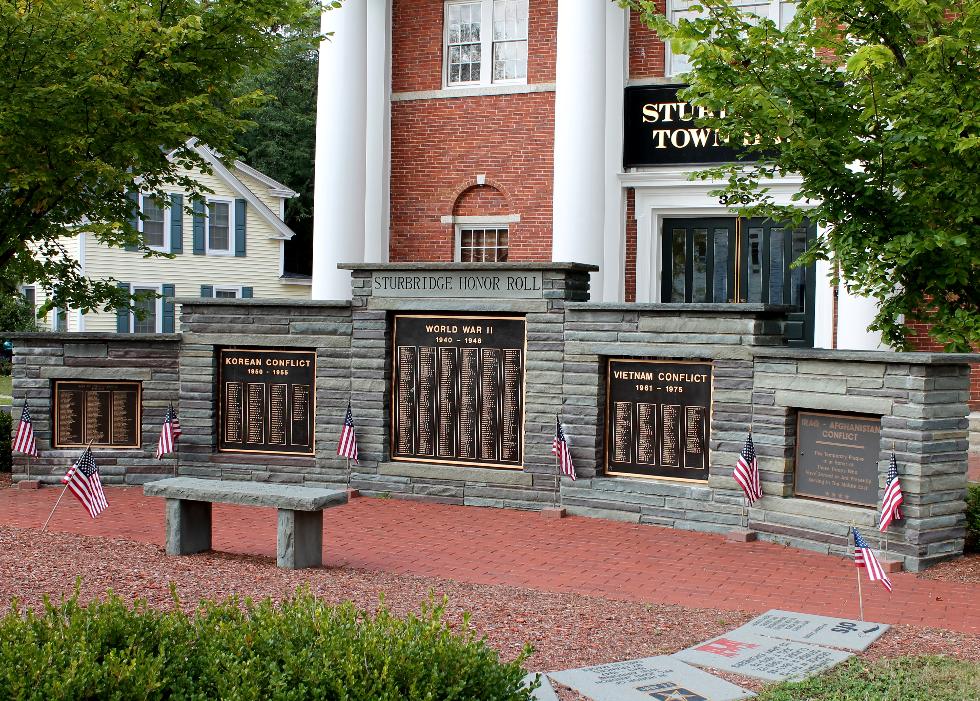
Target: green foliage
<point>902,679</point>
<point>973,518</point>
<point>299,649</point>
<point>95,94</point>
<point>16,313</point>
<point>876,104</point>
<point>6,441</point>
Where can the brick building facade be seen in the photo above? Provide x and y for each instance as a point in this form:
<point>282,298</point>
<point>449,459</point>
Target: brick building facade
<point>494,129</point>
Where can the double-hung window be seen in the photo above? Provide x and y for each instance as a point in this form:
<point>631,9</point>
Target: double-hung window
<point>227,292</point>
<point>781,12</point>
<point>150,305</point>
<point>485,42</point>
<point>153,223</point>
<point>220,228</point>
<point>483,243</point>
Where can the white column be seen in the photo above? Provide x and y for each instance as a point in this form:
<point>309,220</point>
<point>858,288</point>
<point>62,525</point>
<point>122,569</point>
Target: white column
<point>341,132</point>
<point>614,218</point>
<point>580,106</point>
<point>377,209</point>
<point>823,305</point>
<point>854,313</point>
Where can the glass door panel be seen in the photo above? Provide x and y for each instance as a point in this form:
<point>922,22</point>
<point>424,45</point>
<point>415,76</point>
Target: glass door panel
<point>698,260</point>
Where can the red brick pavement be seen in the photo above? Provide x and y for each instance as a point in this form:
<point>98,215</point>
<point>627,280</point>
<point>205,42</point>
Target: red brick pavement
<point>582,555</point>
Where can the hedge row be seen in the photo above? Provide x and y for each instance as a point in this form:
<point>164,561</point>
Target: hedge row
<point>237,649</point>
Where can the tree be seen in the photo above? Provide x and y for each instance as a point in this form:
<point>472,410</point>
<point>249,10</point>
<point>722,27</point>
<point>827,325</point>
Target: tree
<point>876,104</point>
<point>282,139</point>
<point>98,98</point>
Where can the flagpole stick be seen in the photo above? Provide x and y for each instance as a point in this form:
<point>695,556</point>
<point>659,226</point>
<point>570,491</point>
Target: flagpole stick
<point>55,507</point>
<point>857,571</point>
<point>348,473</point>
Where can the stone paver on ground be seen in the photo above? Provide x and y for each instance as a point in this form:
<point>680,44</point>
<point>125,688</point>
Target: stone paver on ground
<point>582,555</point>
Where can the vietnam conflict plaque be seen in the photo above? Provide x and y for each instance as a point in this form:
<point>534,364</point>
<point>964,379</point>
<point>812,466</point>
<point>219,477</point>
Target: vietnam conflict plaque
<point>264,400</point>
<point>837,457</point>
<point>458,390</point>
<point>105,414</point>
<point>658,417</point>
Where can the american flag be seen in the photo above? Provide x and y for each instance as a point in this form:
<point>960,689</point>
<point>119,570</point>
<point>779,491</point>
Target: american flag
<point>746,471</point>
<point>24,440</point>
<point>84,482</point>
<point>864,557</point>
<point>893,497</point>
<point>347,446</point>
<point>559,446</point>
<point>168,433</point>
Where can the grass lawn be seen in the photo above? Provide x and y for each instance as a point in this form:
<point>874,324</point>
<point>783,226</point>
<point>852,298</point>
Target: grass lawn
<point>5,383</point>
<point>902,679</point>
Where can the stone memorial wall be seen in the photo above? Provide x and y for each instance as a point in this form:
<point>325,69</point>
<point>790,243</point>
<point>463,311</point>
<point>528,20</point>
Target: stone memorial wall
<point>455,374</point>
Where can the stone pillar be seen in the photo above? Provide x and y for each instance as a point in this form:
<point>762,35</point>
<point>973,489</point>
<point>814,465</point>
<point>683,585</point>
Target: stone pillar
<point>341,143</point>
<point>299,539</point>
<point>188,526</point>
<point>580,107</point>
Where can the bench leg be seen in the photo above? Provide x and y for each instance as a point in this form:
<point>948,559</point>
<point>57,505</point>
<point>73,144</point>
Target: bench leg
<point>188,526</point>
<point>300,539</point>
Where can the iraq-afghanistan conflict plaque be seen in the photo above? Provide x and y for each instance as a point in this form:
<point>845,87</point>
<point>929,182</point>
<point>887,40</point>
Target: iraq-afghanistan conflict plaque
<point>658,416</point>
<point>837,457</point>
<point>458,390</point>
<point>264,400</point>
<point>105,414</point>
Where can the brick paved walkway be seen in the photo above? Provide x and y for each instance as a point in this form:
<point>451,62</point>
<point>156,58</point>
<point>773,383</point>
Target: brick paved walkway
<point>587,556</point>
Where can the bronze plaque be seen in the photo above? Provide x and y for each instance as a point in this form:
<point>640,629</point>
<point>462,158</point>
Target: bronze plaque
<point>105,414</point>
<point>458,390</point>
<point>658,418</point>
<point>265,400</point>
<point>837,457</point>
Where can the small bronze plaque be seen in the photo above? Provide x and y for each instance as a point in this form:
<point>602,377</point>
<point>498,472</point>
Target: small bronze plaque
<point>105,414</point>
<point>458,390</point>
<point>658,418</point>
<point>265,400</point>
<point>837,457</point>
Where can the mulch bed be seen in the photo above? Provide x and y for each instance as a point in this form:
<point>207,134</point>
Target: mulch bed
<point>566,630</point>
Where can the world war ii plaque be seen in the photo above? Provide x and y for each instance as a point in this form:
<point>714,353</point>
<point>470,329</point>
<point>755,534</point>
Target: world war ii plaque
<point>458,390</point>
<point>658,416</point>
<point>837,457</point>
<point>264,400</point>
<point>103,414</point>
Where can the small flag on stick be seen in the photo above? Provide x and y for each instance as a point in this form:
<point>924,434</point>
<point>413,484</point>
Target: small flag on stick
<point>24,440</point>
<point>84,482</point>
<point>893,497</point>
<point>169,433</point>
<point>864,557</point>
<point>347,446</point>
<point>559,446</point>
<point>746,471</point>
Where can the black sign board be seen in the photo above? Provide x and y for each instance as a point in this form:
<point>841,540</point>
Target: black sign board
<point>658,418</point>
<point>660,129</point>
<point>458,392</point>
<point>105,414</point>
<point>265,400</point>
<point>837,457</point>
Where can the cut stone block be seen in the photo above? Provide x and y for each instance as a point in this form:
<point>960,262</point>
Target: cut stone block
<point>826,631</point>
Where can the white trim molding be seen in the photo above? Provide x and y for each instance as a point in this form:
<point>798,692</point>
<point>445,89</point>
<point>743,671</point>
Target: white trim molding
<point>488,220</point>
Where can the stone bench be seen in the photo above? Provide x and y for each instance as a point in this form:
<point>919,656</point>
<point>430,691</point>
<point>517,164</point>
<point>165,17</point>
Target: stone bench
<point>300,531</point>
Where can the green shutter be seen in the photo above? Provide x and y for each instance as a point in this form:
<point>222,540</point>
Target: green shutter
<point>246,293</point>
<point>176,223</point>
<point>198,227</point>
<point>122,313</point>
<point>241,211</point>
<point>134,214</point>
<point>168,308</point>
<point>207,290</point>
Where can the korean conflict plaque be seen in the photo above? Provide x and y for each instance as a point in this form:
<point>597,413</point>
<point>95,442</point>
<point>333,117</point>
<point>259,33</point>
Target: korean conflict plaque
<point>105,414</point>
<point>264,400</point>
<point>658,417</point>
<point>458,390</point>
<point>837,457</point>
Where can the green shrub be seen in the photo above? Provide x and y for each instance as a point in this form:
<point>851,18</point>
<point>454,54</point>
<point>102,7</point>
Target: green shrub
<point>902,679</point>
<point>973,517</point>
<point>6,441</point>
<point>298,649</point>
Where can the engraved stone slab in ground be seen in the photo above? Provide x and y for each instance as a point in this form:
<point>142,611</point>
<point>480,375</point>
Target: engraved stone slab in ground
<point>762,657</point>
<point>545,692</point>
<point>818,630</point>
<point>659,678</point>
